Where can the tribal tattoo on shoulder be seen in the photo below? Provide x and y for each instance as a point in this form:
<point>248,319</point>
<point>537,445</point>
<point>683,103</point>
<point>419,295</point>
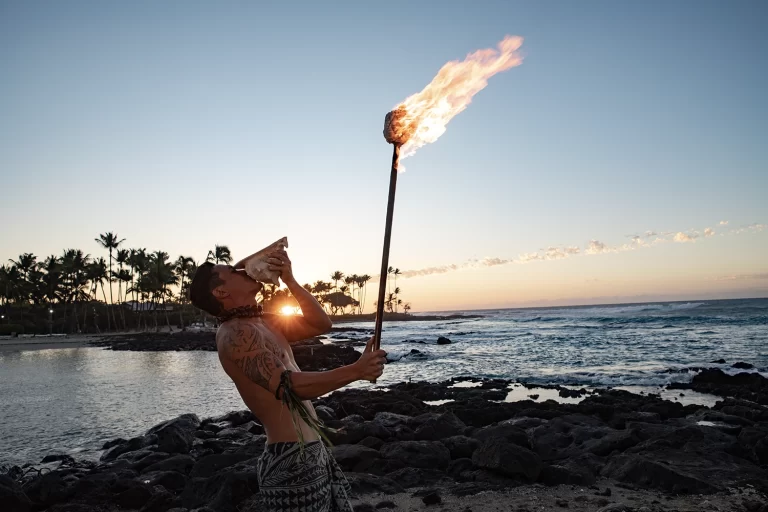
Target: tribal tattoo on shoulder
<point>257,356</point>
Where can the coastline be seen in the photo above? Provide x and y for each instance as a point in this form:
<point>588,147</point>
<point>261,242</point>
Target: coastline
<point>612,451</point>
<point>8,344</point>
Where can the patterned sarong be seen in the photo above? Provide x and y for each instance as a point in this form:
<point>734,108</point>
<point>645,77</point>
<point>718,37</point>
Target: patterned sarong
<point>292,481</point>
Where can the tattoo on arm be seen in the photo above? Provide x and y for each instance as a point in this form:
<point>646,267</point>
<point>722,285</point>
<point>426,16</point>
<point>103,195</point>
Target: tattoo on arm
<point>260,367</point>
<point>256,356</point>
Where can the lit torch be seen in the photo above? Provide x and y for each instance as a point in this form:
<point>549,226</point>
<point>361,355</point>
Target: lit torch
<point>422,118</point>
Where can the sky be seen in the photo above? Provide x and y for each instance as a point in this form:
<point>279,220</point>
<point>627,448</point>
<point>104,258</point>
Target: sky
<point>180,125</point>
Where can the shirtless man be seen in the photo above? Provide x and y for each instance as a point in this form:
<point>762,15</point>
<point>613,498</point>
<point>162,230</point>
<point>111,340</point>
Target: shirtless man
<point>254,350</point>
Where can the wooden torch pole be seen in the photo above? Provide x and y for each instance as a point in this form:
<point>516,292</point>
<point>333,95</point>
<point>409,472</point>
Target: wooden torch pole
<point>385,255</point>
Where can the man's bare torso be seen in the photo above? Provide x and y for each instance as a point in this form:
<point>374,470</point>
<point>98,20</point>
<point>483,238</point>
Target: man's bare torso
<point>236,341</point>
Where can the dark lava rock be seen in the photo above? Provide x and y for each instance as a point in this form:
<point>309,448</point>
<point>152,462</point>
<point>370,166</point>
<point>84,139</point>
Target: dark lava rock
<point>438,426</point>
<point>320,358</point>
<point>363,507</point>
<point>442,340</point>
<point>576,434</point>
<point>47,490</point>
<point>459,466</point>
<point>461,446</point>
<point>418,454</point>
<point>432,499</point>
<point>508,459</point>
<point>355,457</point>
<point>12,496</point>
<point>742,366</point>
<point>135,496</point>
<point>114,442</point>
<point>160,501</point>
<point>691,459</point>
<point>562,503</point>
<point>391,420</point>
<point>718,361</point>
<point>234,418</point>
<point>142,458</point>
<point>509,433</point>
<point>372,442</point>
<point>325,413</point>
<point>650,474</point>
<point>749,386</point>
<point>754,440</point>
<point>178,463</point>
<point>58,458</point>
<point>223,491</point>
<point>171,480</point>
<point>176,435</point>
<point>132,445</point>
<point>211,464</point>
<point>386,504</point>
<point>367,404</point>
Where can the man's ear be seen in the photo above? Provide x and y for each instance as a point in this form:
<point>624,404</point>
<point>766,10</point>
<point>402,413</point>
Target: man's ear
<point>220,293</point>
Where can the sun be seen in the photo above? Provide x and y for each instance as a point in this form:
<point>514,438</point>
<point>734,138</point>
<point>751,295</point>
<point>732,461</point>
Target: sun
<point>288,310</point>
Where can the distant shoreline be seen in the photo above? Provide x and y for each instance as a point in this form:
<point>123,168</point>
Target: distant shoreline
<point>8,344</point>
<point>402,317</point>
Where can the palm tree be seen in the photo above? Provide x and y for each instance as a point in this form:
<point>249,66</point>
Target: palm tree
<point>407,307</point>
<point>362,284</point>
<point>337,276</point>
<point>139,263</point>
<point>122,259</point>
<point>161,276</point>
<point>75,279</point>
<point>98,273</point>
<point>110,242</point>
<point>390,302</point>
<point>396,295</point>
<point>396,273</point>
<point>52,278</point>
<point>182,267</point>
<point>220,254</point>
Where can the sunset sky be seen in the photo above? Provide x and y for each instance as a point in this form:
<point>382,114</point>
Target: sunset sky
<point>179,125</point>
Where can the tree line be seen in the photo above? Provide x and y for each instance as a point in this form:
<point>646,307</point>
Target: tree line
<point>75,291</point>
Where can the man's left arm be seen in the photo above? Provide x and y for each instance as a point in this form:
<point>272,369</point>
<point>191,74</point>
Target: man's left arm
<point>313,321</point>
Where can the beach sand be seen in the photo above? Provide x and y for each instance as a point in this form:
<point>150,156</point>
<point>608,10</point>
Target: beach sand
<point>537,497</point>
<point>8,344</point>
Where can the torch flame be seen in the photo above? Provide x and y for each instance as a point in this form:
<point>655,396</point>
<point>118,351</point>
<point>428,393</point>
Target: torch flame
<point>421,118</point>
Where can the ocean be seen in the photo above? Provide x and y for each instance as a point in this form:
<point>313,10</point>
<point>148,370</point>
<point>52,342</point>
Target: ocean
<point>73,400</point>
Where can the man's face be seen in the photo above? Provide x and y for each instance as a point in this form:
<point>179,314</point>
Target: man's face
<point>237,285</point>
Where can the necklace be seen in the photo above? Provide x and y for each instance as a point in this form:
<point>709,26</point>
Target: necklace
<point>241,312</point>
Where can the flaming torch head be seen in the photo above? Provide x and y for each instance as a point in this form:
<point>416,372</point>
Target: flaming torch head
<point>396,128</point>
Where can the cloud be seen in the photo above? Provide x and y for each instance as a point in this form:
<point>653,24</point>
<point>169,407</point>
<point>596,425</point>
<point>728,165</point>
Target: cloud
<point>754,228</point>
<point>683,237</point>
<point>595,247</point>
<point>529,256</point>
<point>742,277</point>
<point>492,262</point>
<point>431,270</point>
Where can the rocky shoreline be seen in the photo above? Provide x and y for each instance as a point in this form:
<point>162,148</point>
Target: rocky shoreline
<point>612,451</point>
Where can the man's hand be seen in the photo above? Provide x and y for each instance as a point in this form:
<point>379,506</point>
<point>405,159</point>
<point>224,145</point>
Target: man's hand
<point>280,261</point>
<point>371,363</point>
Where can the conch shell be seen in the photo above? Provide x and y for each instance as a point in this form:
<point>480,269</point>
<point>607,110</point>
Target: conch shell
<point>256,265</point>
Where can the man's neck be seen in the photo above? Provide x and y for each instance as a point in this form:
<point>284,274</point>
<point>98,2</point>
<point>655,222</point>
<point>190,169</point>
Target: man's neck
<point>253,310</point>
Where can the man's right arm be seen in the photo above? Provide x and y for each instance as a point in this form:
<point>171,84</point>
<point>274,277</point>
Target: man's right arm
<point>257,357</point>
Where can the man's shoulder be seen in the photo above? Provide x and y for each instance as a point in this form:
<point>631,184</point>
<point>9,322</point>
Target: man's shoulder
<point>225,334</point>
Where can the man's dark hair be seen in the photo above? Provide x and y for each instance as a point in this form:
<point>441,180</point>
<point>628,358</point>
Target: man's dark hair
<point>201,289</point>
